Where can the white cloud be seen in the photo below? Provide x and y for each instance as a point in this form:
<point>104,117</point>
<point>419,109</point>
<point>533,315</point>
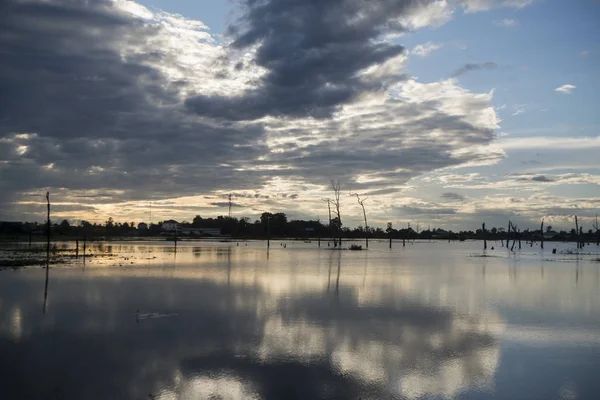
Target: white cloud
<point>423,50</point>
<point>585,53</point>
<point>433,14</point>
<point>516,3</point>
<point>472,6</point>
<point>519,109</point>
<point>549,142</point>
<point>566,89</point>
<point>507,23</point>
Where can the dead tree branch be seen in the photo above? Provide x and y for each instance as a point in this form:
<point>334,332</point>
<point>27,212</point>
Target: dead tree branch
<point>362,204</point>
<point>336,187</point>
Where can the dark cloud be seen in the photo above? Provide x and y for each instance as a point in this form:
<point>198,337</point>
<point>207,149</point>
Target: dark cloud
<point>541,178</point>
<point>474,67</point>
<point>225,204</point>
<point>537,178</point>
<point>530,162</point>
<point>414,210</point>
<point>98,119</point>
<point>90,104</point>
<point>452,196</point>
<point>312,52</point>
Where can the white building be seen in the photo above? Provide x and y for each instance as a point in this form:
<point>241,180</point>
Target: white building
<point>170,225</point>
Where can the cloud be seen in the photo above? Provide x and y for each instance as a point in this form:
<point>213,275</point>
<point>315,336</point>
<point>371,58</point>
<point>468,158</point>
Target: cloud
<point>474,67</point>
<point>111,98</point>
<point>524,181</point>
<point>452,196</point>
<point>585,53</point>
<point>566,89</point>
<point>312,53</point>
<point>423,211</point>
<point>472,6</point>
<point>506,23</point>
<point>423,50</point>
<point>540,178</point>
<point>550,142</point>
<point>519,109</point>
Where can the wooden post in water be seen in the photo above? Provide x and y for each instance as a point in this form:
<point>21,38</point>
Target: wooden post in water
<point>319,241</point>
<point>519,236</point>
<point>47,253</point>
<point>48,232</point>
<point>29,240</point>
<point>390,241</point>
<point>76,248</point>
<point>176,238</point>
<point>269,232</point>
<point>84,243</point>
<point>403,242</point>
<point>577,232</point>
<point>542,234</point>
<point>484,238</point>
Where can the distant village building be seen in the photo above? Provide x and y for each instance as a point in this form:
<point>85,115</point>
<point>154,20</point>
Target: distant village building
<point>170,225</point>
<point>142,226</point>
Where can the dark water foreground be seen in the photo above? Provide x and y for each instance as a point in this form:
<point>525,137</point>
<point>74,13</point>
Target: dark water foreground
<point>218,321</point>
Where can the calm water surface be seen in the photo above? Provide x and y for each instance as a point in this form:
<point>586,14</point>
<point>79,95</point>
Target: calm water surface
<point>220,321</point>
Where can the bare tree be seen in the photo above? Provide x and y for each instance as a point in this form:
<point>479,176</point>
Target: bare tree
<point>362,204</point>
<point>514,229</point>
<point>336,187</point>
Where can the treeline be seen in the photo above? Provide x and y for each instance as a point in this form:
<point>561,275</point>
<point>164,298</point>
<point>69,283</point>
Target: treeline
<point>277,225</point>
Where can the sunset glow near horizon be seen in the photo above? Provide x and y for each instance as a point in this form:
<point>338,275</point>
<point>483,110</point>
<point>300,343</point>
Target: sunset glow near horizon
<point>446,113</point>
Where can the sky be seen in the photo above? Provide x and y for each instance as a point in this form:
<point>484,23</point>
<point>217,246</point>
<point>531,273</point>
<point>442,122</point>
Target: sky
<point>443,113</point>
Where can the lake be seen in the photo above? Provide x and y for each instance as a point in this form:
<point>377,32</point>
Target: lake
<point>227,321</point>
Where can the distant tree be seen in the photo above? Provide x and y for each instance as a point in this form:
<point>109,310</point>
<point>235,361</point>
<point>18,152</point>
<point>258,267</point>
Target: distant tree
<point>275,223</point>
<point>548,228</point>
<point>197,221</point>
<point>64,227</point>
<point>110,223</point>
<point>389,228</point>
